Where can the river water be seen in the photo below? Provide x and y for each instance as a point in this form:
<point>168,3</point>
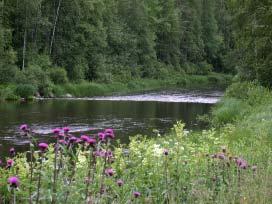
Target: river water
<point>128,115</point>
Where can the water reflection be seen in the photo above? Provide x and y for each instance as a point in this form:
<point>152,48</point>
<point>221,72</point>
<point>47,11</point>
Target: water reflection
<point>126,117</point>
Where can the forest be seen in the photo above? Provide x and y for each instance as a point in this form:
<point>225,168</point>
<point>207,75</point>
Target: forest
<point>53,42</point>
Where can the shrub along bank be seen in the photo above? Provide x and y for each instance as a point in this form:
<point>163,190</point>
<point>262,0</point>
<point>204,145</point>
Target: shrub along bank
<point>60,87</point>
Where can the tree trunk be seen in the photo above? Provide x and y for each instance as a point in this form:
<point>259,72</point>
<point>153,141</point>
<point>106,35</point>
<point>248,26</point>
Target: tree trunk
<point>54,28</point>
<point>24,50</point>
<point>25,35</point>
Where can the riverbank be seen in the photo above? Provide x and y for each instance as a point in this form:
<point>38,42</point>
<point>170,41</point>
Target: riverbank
<point>229,163</point>
<point>90,89</point>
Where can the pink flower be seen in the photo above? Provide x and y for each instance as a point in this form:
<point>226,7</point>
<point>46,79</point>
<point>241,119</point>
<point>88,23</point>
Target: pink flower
<point>120,182</point>
<point>24,127</point>
<point>63,142</point>
<point>221,156</point>
<point>66,129</point>
<point>109,133</point>
<point>14,182</point>
<point>43,147</point>
<point>56,131</point>
<point>10,163</point>
<point>101,136</point>
<point>136,194</point>
<point>109,172</point>
<point>84,138</point>
<point>241,163</point>
<point>73,139</point>
<point>92,141</point>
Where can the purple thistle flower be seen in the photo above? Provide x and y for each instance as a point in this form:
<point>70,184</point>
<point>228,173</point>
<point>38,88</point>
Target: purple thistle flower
<point>221,156</point>
<point>14,182</point>
<point>66,129</point>
<point>109,154</point>
<point>120,182</point>
<point>109,133</point>
<point>12,152</point>
<point>56,131</point>
<point>84,138</point>
<point>109,172</point>
<point>101,136</point>
<point>136,194</point>
<point>73,139</point>
<point>165,152</point>
<point>10,162</point>
<point>43,147</point>
<point>92,141</point>
<point>241,163</point>
<point>24,127</point>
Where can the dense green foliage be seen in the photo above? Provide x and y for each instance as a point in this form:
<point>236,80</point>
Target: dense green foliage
<point>252,25</point>
<point>105,40</point>
<point>230,164</point>
<point>89,89</point>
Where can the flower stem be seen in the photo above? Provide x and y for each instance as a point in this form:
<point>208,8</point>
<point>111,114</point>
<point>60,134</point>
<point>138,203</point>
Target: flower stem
<point>39,180</point>
<point>55,173</point>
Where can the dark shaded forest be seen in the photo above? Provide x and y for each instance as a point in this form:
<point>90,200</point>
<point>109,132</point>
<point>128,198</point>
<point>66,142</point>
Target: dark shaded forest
<point>56,41</point>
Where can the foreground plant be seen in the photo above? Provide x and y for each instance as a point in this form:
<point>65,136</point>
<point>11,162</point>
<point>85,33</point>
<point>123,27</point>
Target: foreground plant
<point>175,169</point>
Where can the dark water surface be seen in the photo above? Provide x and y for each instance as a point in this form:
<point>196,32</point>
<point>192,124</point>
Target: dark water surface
<point>128,115</point>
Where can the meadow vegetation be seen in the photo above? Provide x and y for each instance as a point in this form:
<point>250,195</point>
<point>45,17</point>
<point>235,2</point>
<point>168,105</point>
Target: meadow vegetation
<point>228,163</point>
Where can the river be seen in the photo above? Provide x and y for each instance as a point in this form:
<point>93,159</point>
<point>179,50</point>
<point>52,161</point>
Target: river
<point>127,115</point>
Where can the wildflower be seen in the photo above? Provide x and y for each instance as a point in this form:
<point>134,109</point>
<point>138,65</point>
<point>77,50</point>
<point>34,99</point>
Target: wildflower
<point>221,156</point>
<point>101,136</point>
<point>99,153</point>
<point>56,131</point>
<point>10,163</point>
<point>84,138</point>
<point>120,182</point>
<point>60,136</point>
<point>241,163</point>
<point>73,139</point>
<point>109,133</point>
<point>108,154</point>
<point>43,147</point>
<point>14,182</point>
<point>24,127</point>
<point>66,129</point>
<point>136,194</point>
<point>165,152</point>
<point>92,141</point>
<point>63,142</point>
<point>109,172</point>
<point>12,152</point>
